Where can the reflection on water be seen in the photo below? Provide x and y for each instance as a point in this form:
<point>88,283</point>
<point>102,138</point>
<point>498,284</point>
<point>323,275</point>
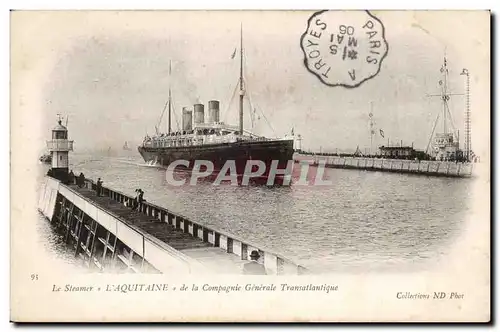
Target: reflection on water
<point>54,242</point>
<point>50,240</point>
<point>365,220</point>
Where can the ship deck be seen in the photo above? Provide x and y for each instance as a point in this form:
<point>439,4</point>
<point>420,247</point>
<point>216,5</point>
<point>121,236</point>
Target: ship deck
<point>214,259</point>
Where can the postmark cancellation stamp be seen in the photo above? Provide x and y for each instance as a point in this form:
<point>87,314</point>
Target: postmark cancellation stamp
<point>344,48</point>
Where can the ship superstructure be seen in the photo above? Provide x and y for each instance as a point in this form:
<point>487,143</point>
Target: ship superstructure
<point>445,144</point>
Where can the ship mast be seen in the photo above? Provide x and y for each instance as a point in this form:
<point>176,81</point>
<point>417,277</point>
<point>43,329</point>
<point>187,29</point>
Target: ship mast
<point>242,91</point>
<point>372,132</point>
<point>167,103</point>
<point>467,146</point>
<point>170,97</point>
<point>445,96</point>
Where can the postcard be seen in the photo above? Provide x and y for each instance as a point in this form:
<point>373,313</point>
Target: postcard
<point>250,166</point>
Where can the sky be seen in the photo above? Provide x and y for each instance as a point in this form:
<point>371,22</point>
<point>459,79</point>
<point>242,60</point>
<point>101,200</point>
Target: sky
<point>108,73</point>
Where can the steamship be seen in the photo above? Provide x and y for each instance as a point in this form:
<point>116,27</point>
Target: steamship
<point>207,138</point>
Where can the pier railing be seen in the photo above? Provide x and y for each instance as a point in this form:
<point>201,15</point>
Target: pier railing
<point>136,241</point>
<point>273,262</point>
<point>60,145</point>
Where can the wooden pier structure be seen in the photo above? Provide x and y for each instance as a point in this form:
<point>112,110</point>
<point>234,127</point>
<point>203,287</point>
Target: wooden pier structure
<point>108,235</point>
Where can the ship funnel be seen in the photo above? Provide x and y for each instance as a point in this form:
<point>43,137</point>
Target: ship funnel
<point>187,119</point>
<point>199,113</point>
<point>213,111</point>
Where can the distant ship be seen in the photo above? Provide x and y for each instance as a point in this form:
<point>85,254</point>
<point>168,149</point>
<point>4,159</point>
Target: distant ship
<point>46,158</point>
<point>126,146</point>
<point>214,140</point>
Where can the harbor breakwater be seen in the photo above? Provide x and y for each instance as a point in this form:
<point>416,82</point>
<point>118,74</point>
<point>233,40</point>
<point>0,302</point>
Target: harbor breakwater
<point>108,235</point>
<point>418,167</point>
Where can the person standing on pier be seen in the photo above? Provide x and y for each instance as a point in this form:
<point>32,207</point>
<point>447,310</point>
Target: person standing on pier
<point>81,180</point>
<point>71,177</point>
<point>98,187</point>
<point>135,202</point>
<point>140,198</point>
<point>253,267</point>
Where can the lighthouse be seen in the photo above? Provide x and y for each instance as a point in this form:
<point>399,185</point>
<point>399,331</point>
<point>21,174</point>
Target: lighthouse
<point>59,147</point>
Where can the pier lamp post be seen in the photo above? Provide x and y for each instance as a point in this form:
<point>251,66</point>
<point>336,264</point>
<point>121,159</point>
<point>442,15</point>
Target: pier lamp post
<point>467,144</point>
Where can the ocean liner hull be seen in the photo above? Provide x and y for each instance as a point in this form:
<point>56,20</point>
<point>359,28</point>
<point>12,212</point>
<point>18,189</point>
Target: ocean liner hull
<point>218,154</point>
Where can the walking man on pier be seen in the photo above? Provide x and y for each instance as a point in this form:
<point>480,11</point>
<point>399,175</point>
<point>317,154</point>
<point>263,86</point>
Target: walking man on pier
<point>253,267</point>
<point>140,196</point>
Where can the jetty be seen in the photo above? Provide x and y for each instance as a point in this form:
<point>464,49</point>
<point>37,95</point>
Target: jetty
<point>417,167</point>
<point>107,234</point>
<point>442,156</point>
